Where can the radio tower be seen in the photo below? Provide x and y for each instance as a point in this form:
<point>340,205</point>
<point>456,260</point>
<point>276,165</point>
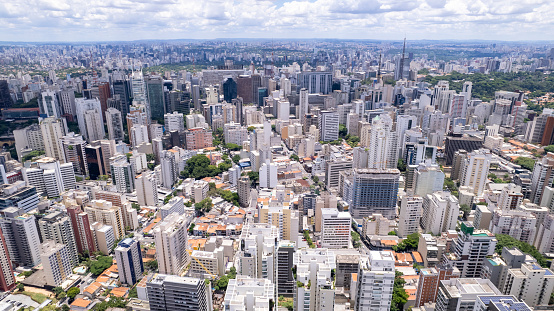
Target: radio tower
<point>401,73</point>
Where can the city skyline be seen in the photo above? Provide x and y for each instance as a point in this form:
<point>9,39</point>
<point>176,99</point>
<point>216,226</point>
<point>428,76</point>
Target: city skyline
<point>79,21</point>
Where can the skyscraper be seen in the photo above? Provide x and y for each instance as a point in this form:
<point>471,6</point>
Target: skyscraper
<point>475,170</point>
<point>123,89</point>
<point>52,131</point>
<point>21,237</point>
<point>411,209</point>
<point>229,90</point>
<point>171,239</point>
<point>147,190</point>
<point>122,175</point>
<point>155,95</point>
<point>7,278</point>
<point>329,125</point>
<point>375,282</point>
<point>89,117</point>
<point>5,97</point>
<point>115,124</point>
<point>56,262</point>
<point>49,105</point>
<point>80,223</point>
<point>129,261</point>
<point>50,177</point>
<point>74,153</point>
<point>56,226</point>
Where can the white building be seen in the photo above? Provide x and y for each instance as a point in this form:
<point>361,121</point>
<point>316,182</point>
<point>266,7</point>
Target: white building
<point>428,178</point>
<point>234,133</point>
<point>440,212</point>
<point>28,139</point>
<point>315,290</point>
<point>248,294</point>
<point>114,122</point>
<point>375,282</point>
<point>147,189</point>
<point>169,169</point>
<point>335,228</point>
<point>129,261</point>
<point>257,258</point>
<point>530,283</point>
<point>268,175</point>
<point>200,190</point>
<point>52,132</point>
<point>122,174</point>
<point>139,134</point>
<point>520,225</point>
<point>56,262</point>
<point>382,144</point>
<point>328,125</point>
<point>49,104</point>
<point>50,177</point>
<point>171,240</point>
<point>411,210</point>
<point>475,170</point>
<point>89,117</point>
<point>174,121</point>
<point>175,205</point>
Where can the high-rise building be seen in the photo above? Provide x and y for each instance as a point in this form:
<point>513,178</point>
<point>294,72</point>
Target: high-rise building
<point>21,237</point>
<point>411,210</point>
<point>429,281</point>
<point>333,170</point>
<point>177,293</point>
<point>102,93</point>
<point>440,212</point>
<point>243,189</point>
<point>457,142</point>
<point>315,290</point>
<point>530,283</point>
<point>129,261</point>
<point>542,177</point>
<point>169,169</point>
<point>457,164</point>
<point>7,278</point>
<point>328,125</point>
<point>56,226</point>
<point>104,212</point>
<point>95,161</point>
<point>383,144</point>
<point>428,178</point>
<point>285,278</point>
<point>229,90</point>
<point>52,132</point>
<point>174,121</point>
<point>56,262</point>
<point>461,293</point>
<point>49,105</point>
<point>122,175</point>
<point>122,89</point>
<point>28,139</point>
<point>84,238</point>
<point>198,138</point>
<point>268,175</point>
<point>370,191</point>
<point>469,250</point>
<point>335,228</point>
<point>18,195</point>
<point>520,225</point>
<point>104,237</point>
<point>171,240</point>
<point>147,189</point>
<point>74,152</point>
<point>5,97</point>
<point>115,124</point>
<point>475,170</point>
<point>235,133</point>
<point>155,95</point>
<point>375,282</point>
<point>248,294</point>
<point>89,117</point>
<point>50,177</point>
<point>316,81</point>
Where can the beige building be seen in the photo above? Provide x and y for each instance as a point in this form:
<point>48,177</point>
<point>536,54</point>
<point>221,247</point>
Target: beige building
<point>171,244</point>
<point>104,212</point>
<point>56,262</point>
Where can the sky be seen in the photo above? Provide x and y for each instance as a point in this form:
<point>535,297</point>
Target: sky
<point>126,20</point>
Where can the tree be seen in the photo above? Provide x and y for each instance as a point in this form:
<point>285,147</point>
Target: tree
<point>222,283</point>
<point>399,295</point>
<point>466,209</point>
<point>505,240</point>
<point>251,128</point>
<point>343,131</point>
<point>100,264</point>
<point>401,165</point>
<point>199,167</point>
<point>254,176</point>
<point>233,147</point>
<point>72,292</point>
<point>526,163</point>
<point>150,157</point>
<point>57,290</point>
<point>204,205</point>
<point>135,206</point>
<point>133,293</point>
<point>65,307</point>
<point>392,233</point>
<point>294,157</point>
<point>32,154</point>
<point>356,242</point>
<point>20,287</point>
<point>236,158</point>
<point>152,265</point>
<point>409,243</point>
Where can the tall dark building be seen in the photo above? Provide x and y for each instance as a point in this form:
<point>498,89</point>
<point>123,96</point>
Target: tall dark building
<point>262,92</point>
<point>456,142</point>
<point>229,90</point>
<point>5,98</point>
<point>94,161</point>
<point>256,83</point>
<point>244,89</point>
<point>123,89</point>
<point>285,278</point>
<point>179,101</point>
<point>155,95</point>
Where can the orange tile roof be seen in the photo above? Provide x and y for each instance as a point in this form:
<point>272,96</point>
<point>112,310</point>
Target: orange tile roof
<point>143,282</point>
<point>197,244</point>
<point>102,278</point>
<point>417,257</point>
<point>219,186</point>
<point>201,227</point>
<point>80,302</point>
<point>355,277</point>
<point>120,291</point>
<point>91,289</point>
<point>149,227</point>
<point>407,257</point>
<point>151,252</point>
<point>389,242</point>
<point>112,269</point>
<point>212,229</point>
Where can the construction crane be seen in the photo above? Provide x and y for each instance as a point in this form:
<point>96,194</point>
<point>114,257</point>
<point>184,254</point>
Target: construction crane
<point>202,265</point>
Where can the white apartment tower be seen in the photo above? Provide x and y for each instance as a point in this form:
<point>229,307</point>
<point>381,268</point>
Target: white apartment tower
<point>411,210</point>
<point>114,121</point>
<point>56,262</point>
<point>89,117</point>
<point>375,282</point>
<point>335,228</point>
<point>440,213</point>
<point>475,170</point>
<point>171,240</point>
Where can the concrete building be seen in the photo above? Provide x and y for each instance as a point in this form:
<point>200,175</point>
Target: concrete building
<point>428,178</point>
<point>328,125</point>
<point>104,212</point>
<point>104,237</point>
<point>429,281</point>
<point>198,138</point>
<point>74,152</point>
<point>243,189</point>
<point>53,130</point>
<point>200,190</point>
<point>335,228</point>
<point>7,278</point>
<point>207,264</point>
<point>28,139</point>
<point>114,122</point>
<point>21,237</point>
<point>129,261</point>
<point>411,210</point>
<point>347,264</point>
<point>520,225</point>
<point>176,293</point>
<point>123,176</point>
<point>285,281</point>
<point>475,170</point>
<point>440,212</point>
<point>18,195</point>
<point>530,283</point>
<point>89,117</point>
<point>147,189</point>
<point>369,191</point>
<point>56,262</point>
<point>175,205</point>
<point>171,238</point>
<point>542,177</point>
<point>56,226</point>
<point>375,282</point>
<point>49,177</point>
<point>383,144</point>
<point>84,238</point>
<point>315,290</point>
<point>174,121</point>
<point>256,257</point>
<point>461,293</point>
<point>248,294</point>
<point>268,175</point>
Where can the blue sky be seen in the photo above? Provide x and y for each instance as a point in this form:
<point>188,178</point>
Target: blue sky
<point>107,20</point>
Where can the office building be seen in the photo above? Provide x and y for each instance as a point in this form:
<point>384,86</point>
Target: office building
<point>333,170</point>
<point>177,293</point>
<point>147,190</point>
<point>49,105</point>
<point>411,210</point>
<point>285,279</point>
<point>335,228</point>
<point>375,282</point>
<point>370,191</point>
<point>174,122</point>
<point>89,117</point>
<point>328,125</point>
<point>229,90</point>
<point>316,81</point>
<point>104,212</point>
<point>5,97</point>
<point>469,250</point>
<point>56,226</point>
<point>248,294</point>
<point>171,240</point>
<point>347,264</point>
<point>21,237</point>
<point>74,152</point>
<point>122,174</point>
<point>429,281</point>
<point>122,91</point>
<point>129,261</point>
<point>458,142</point>
<point>114,122</point>
<point>440,212</point>
<point>18,195</point>
<point>315,289</point>
<point>56,262</point>
<point>475,170</point>
<point>155,96</point>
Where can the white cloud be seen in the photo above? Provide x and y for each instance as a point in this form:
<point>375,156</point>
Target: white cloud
<point>55,20</point>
